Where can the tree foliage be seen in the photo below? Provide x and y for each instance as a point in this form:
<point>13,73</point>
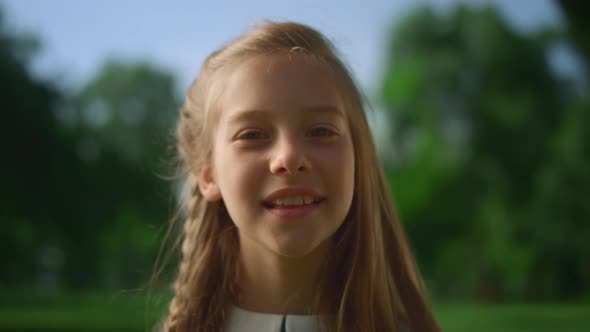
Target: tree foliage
<point>120,125</point>
<point>82,180</point>
<point>491,157</point>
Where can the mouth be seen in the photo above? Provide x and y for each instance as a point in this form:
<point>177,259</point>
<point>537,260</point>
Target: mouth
<point>294,207</point>
<point>293,202</point>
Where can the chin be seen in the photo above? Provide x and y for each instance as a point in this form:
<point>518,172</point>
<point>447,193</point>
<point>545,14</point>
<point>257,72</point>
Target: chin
<point>290,252</point>
<point>296,248</point>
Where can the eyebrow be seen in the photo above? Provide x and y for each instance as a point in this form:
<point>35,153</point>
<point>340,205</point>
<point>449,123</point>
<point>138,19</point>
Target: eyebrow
<point>326,109</point>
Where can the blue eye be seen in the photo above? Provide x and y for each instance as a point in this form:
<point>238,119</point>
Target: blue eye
<point>252,135</point>
<point>322,132</point>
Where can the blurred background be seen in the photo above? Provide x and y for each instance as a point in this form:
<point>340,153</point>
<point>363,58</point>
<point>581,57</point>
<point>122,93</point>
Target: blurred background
<point>480,109</point>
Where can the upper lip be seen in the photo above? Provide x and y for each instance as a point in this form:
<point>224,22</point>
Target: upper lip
<point>292,192</point>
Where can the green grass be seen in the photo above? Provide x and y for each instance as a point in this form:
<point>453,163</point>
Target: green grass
<point>129,312</point>
<point>117,311</point>
<point>514,317</point>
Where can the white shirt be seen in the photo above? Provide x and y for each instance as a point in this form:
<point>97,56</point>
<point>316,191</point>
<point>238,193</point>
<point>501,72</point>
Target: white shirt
<point>241,320</point>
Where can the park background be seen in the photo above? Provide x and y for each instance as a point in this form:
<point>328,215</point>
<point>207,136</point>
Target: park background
<point>480,109</point>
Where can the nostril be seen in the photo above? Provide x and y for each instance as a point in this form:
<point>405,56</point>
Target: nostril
<point>291,167</point>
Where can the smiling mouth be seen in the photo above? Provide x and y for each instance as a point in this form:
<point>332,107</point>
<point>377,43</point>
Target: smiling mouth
<point>293,202</point>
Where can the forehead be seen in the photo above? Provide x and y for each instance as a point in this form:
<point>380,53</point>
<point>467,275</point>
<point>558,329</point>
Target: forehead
<point>280,83</point>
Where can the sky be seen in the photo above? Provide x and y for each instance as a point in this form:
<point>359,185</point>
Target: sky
<point>78,36</point>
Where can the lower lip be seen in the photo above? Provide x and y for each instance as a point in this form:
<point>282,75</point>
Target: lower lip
<point>294,211</point>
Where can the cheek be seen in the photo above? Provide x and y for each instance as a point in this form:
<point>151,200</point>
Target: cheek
<point>348,171</point>
<point>338,169</point>
<point>342,157</point>
<point>348,175</point>
<point>237,176</point>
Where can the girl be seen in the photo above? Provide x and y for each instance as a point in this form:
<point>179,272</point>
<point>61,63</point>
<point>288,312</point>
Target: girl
<point>289,225</point>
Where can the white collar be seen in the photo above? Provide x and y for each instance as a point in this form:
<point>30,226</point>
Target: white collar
<point>241,320</point>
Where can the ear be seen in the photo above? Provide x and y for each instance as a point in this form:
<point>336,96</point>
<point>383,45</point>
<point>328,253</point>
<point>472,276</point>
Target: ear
<point>208,184</point>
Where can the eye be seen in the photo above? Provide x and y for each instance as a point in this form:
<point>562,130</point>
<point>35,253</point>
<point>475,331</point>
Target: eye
<point>322,132</point>
<point>252,135</point>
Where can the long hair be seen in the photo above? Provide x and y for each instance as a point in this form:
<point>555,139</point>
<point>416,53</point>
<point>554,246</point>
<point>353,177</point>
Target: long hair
<point>370,281</point>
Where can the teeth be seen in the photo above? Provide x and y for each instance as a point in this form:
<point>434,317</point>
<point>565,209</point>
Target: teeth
<point>298,200</point>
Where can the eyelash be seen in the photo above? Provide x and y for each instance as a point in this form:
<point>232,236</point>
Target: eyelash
<point>328,131</point>
<point>248,133</point>
<point>259,134</point>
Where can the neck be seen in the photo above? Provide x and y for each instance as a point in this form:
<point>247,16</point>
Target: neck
<point>277,284</point>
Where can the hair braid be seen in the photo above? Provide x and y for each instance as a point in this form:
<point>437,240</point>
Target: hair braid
<point>203,285</point>
<point>180,303</point>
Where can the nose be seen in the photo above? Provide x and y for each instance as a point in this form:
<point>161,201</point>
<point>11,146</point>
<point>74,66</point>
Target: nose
<point>289,157</point>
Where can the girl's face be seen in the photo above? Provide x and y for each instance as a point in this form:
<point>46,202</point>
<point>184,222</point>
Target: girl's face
<point>283,159</point>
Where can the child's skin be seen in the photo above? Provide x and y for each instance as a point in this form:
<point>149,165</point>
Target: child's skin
<point>281,126</point>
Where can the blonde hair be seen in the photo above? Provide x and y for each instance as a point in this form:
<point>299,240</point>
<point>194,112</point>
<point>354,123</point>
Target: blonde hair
<point>370,281</point>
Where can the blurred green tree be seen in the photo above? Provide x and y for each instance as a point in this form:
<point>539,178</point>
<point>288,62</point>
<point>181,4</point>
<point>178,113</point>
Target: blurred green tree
<point>29,136</point>
<point>489,169</point>
<point>579,26</point>
<point>82,188</point>
<point>120,123</point>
